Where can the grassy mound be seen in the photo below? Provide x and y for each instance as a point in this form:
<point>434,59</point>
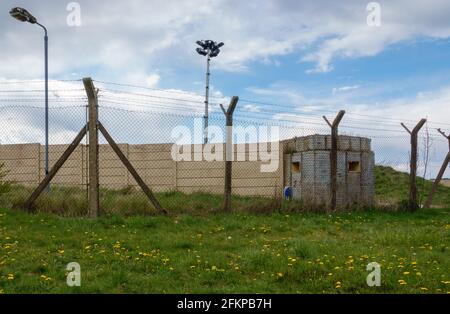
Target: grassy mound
<point>392,186</point>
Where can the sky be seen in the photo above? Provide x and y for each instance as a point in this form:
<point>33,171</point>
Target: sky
<point>307,57</point>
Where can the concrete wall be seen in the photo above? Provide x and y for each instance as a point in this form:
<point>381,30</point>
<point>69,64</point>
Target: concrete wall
<point>25,165</point>
<point>307,170</point>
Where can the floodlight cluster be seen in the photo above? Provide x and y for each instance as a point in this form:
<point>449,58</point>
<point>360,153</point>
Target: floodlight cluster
<point>209,48</point>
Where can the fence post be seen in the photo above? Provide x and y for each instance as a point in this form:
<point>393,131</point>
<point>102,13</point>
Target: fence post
<point>229,152</point>
<point>93,191</point>
<point>413,164</point>
<point>440,174</point>
<point>333,156</point>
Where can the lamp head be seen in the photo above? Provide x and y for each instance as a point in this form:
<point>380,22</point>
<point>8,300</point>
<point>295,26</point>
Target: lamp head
<point>202,52</point>
<point>22,15</point>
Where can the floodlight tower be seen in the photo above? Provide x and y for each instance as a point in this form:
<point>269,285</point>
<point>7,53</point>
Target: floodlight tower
<point>210,49</point>
<point>23,15</point>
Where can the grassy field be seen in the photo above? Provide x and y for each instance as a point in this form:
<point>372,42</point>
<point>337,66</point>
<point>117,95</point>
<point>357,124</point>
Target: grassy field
<point>262,247</point>
<point>230,253</point>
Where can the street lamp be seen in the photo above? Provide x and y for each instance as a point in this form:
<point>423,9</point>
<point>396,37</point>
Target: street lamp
<point>210,49</point>
<point>23,15</point>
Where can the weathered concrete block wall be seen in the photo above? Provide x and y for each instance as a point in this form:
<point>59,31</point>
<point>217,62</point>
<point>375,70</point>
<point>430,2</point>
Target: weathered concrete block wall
<point>21,162</point>
<point>25,165</point>
<point>308,170</point>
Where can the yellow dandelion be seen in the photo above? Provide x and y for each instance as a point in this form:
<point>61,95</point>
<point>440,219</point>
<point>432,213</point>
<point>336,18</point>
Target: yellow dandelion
<point>280,275</point>
<point>406,273</point>
<point>424,289</point>
<point>10,277</point>
<point>418,273</point>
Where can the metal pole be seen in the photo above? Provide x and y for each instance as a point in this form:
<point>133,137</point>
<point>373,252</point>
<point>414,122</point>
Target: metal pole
<point>46,163</point>
<point>46,106</point>
<point>205,129</point>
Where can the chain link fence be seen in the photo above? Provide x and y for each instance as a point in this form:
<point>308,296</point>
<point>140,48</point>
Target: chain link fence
<point>281,156</point>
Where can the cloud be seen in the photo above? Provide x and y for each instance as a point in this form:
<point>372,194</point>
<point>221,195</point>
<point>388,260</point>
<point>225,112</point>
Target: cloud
<point>299,115</point>
<point>152,80</point>
<point>117,38</point>
<point>344,88</point>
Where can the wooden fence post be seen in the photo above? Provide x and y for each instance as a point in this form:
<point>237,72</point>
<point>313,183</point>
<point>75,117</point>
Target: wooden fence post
<point>333,156</point>
<point>229,152</point>
<point>440,174</point>
<point>413,165</point>
<point>93,190</point>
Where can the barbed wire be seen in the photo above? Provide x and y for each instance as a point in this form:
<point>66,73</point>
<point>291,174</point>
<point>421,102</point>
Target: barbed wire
<point>41,107</point>
<point>160,90</point>
<point>152,96</point>
<point>154,102</point>
<point>37,81</point>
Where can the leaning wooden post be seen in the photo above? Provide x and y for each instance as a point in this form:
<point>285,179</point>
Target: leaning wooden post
<point>413,165</point>
<point>131,169</point>
<point>93,191</point>
<point>333,157</point>
<point>229,152</point>
<point>440,174</point>
<point>446,136</point>
<point>52,173</point>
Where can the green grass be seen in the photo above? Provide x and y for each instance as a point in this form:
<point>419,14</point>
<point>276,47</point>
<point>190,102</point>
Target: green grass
<point>72,202</point>
<point>391,192</point>
<point>392,186</point>
<point>227,253</point>
<point>197,249</point>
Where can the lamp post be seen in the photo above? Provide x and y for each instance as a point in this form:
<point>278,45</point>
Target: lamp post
<point>23,15</point>
<point>210,49</point>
